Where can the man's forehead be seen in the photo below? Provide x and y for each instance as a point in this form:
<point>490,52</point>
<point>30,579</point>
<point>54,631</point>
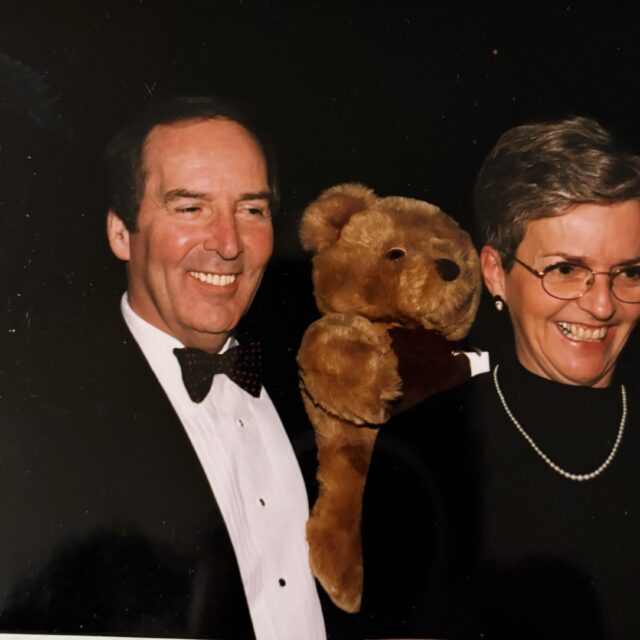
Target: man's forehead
<point>197,146</point>
<point>197,133</point>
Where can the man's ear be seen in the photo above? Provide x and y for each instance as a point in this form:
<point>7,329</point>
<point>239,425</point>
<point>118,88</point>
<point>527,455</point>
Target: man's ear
<point>118,235</point>
<point>493,271</point>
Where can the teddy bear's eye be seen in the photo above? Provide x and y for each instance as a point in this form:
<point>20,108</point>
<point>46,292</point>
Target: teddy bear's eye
<point>396,254</point>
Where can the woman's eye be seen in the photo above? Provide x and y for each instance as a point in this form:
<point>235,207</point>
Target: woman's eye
<point>564,268</point>
<point>631,273</point>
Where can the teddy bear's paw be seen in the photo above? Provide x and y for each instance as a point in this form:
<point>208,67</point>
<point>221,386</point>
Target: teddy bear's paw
<point>365,400</point>
<point>348,368</point>
<point>348,599</point>
<point>369,401</point>
<point>336,562</point>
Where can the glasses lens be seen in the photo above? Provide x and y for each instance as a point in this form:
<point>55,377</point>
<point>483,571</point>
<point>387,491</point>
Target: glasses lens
<point>626,284</point>
<point>566,281</point>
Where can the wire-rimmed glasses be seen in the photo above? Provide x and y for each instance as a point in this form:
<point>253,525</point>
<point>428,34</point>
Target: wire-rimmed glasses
<point>569,280</point>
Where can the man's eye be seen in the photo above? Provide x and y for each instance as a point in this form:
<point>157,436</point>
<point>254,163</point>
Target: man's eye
<point>188,209</point>
<point>255,210</point>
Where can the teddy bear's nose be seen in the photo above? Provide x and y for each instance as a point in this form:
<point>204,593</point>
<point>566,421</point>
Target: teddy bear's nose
<point>447,269</point>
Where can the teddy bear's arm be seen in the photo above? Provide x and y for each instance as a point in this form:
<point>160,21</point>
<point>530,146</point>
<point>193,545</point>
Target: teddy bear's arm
<point>347,367</point>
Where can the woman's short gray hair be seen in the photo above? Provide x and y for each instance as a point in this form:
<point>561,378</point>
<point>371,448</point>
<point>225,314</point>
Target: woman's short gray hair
<point>541,170</point>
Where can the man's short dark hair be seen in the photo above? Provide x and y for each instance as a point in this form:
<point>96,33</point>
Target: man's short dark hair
<point>542,170</point>
<point>124,157</point>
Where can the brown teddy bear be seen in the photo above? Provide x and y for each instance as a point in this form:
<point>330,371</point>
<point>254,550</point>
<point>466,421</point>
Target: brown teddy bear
<point>397,281</point>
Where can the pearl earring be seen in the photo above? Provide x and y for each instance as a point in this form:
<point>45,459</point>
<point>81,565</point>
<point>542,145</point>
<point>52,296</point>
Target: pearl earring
<point>498,303</point>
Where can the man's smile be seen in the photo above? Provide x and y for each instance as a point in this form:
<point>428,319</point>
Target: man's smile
<point>217,279</point>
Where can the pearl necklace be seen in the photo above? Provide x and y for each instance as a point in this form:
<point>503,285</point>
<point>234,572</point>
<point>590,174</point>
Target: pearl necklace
<point>580,477</point>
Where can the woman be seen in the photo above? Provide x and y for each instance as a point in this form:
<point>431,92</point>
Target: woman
<point>510,506</point>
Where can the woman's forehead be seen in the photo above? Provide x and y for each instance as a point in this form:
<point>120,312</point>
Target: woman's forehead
<point>591,231</point>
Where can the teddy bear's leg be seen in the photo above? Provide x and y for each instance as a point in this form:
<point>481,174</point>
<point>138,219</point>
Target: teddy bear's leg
<point>348,367</point>
<point>333,529</point>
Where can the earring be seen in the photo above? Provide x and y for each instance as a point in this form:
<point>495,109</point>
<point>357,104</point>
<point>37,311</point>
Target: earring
<point>498,303</point>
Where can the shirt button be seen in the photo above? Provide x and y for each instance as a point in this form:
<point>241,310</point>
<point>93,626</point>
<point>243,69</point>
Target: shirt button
<point>282,582</point>
<point>262,502</point>
<point>241,422</point>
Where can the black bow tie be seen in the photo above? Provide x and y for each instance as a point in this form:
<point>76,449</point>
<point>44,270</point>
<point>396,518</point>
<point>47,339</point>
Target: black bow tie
<point>241,364</point>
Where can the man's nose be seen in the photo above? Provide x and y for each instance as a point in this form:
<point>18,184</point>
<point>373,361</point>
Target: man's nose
<point>599,300</point>
<point>222,235</point>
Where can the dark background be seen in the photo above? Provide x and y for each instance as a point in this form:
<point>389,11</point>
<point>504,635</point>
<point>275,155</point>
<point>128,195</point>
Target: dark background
<point>406,97</point>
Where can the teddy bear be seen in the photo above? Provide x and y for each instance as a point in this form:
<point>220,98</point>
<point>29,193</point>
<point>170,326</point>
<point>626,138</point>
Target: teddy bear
<point>398,284</point>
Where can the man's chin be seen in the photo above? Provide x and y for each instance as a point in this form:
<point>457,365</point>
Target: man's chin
<point>208,334</point>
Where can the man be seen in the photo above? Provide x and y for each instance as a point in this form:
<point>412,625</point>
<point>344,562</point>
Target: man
<point>173,503</point>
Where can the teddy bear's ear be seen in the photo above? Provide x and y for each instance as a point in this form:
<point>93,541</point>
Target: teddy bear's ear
<point>323,219</point>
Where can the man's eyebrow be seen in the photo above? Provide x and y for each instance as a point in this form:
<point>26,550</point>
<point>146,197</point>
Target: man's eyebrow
<point>258,195</point>
<point>176,194</point>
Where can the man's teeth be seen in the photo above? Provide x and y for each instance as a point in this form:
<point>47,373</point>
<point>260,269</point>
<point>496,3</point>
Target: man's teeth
<point>213,278</point>
<point>578,332</point>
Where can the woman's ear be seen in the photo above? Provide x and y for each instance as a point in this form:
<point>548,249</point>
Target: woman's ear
<point>492,271</point>
<point>118,235</point>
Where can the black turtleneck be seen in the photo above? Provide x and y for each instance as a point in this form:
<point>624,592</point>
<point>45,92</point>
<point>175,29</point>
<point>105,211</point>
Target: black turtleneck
<point>574,426</point>
<point>468,533</point>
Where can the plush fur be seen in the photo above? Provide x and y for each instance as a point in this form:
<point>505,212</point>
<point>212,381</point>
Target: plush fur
<point>397,281</point>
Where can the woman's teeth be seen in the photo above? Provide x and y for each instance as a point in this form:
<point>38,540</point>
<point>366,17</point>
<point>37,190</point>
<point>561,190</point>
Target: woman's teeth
<point>579,332</point>
<point>213,278</point>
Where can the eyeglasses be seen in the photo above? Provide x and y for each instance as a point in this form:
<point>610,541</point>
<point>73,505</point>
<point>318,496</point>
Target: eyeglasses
<point>569,281</point>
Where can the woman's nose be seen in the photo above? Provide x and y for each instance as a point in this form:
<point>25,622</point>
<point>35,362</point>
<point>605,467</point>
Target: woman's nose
<point>599,300</point>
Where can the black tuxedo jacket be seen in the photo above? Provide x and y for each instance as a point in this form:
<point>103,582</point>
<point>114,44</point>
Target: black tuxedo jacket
<point>108,522</point>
